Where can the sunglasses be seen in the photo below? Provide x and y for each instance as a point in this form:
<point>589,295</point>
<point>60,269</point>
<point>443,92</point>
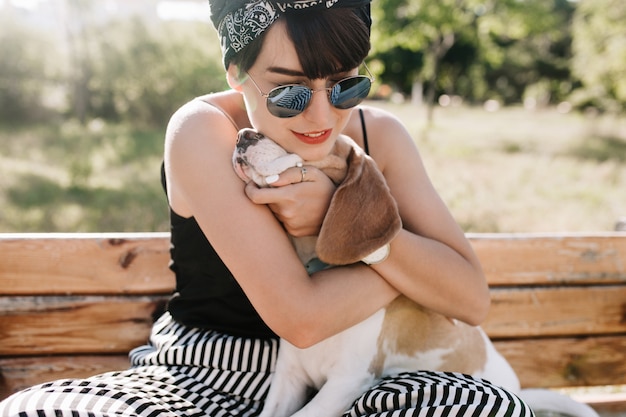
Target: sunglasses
<point>292,99</point>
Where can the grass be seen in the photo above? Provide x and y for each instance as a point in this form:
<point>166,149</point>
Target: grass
<point>524,171</point>
<point>69,178</point>
<point>508,171</point>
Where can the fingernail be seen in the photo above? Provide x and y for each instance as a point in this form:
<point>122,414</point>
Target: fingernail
<point>271,179</point>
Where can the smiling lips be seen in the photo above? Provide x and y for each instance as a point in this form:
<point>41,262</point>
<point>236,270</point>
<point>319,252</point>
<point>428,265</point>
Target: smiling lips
<point>314,138</point>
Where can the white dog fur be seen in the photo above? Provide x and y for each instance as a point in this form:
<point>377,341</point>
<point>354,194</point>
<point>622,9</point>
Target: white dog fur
<point>403,336</point>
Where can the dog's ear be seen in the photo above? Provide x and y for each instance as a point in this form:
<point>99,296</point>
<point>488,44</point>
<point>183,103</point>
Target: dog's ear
<point>362,216</point>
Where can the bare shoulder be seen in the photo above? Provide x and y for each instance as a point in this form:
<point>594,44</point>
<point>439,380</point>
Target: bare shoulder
<point>387,135</point>
<point>381,123</point>
<point>199,142</point>
<point>218,111</point>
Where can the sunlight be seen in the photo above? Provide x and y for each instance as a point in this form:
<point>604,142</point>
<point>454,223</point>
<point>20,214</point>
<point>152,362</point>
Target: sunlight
<point>29,5</point>
<point>183,10</point>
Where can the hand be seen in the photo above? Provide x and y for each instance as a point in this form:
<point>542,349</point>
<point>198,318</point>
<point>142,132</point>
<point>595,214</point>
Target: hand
<point>298,202</point>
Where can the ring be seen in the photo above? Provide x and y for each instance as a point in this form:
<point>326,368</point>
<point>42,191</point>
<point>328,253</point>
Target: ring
<point>303,172</point>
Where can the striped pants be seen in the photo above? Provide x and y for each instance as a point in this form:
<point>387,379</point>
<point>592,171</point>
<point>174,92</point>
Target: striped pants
<point>185,372</point>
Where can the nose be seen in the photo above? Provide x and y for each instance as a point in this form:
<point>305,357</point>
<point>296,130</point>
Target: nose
<point>319,107</point>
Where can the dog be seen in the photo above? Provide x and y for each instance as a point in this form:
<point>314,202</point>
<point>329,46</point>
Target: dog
<point>403,336</point>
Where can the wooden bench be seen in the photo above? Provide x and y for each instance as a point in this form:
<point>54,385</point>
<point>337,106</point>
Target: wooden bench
<point>73,305</point>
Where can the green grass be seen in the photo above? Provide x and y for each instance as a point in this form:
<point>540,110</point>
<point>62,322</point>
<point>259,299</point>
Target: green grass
<point>68,178</point>
<point>524,171</point>
<point>509,171</point>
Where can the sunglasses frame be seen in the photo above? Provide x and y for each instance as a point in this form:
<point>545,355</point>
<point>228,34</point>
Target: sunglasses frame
<point>328,90</point>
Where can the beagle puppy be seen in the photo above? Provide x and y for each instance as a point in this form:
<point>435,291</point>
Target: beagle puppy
<point>403,336</point>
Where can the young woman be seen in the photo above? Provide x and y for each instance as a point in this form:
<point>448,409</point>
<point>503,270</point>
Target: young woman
<point>294,72</point>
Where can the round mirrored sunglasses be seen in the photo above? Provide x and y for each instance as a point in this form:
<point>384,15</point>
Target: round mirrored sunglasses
<point>292,99</point>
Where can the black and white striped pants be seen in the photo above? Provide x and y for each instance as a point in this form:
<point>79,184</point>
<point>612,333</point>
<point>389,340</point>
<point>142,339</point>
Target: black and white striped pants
<point>186,372</point>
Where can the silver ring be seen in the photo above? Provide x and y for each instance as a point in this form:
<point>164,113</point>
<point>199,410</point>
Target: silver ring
<point>303,172</point>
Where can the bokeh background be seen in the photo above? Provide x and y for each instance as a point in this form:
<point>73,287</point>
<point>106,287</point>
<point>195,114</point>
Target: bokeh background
<point>517,107</point>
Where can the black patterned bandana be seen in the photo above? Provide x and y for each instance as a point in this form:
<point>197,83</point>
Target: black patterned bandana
<point>239,22</point>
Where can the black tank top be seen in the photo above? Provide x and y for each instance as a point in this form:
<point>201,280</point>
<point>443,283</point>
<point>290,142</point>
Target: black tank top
<point>207,295</point>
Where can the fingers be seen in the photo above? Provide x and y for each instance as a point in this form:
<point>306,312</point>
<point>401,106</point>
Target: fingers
<point>292,176</point>
<point>277,192</point>
<point>269,195</point>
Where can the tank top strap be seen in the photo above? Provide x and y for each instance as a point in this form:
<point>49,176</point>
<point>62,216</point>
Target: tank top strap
<point>365,144</point>
<point>228,116</point>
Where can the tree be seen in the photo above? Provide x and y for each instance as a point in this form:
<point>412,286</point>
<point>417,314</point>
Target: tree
<point>427,27</point>
<point>526,43</point>
<point>26,71</point>
<point>600,53</point>
<point>481,49</point>
<point>143,72</point>
<point>79,28</point>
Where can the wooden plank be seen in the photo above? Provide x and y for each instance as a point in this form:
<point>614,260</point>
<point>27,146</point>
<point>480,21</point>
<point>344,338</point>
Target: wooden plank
<point>564,362</point>
<point>78,324</point>
<point>567,362</point>
<point>96,324</point>
<point>137,262</point>
<point>96,263</point>
<point>19,373</point>
<point>562,311</point>
<point>551,259</point>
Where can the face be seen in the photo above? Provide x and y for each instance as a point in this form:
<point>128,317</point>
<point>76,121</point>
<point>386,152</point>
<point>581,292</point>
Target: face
<point>312,133</point>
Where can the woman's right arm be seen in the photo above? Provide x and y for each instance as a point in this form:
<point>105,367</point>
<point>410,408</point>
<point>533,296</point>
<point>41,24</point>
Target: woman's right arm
<point>252,243</point>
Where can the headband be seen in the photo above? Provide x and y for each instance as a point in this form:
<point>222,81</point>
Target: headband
<point>239,22</point>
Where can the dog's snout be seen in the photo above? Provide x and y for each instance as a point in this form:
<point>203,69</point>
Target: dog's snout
<point>247,138</point>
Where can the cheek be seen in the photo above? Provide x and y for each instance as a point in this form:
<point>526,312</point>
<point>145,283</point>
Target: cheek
<point>260,118</point>
<point>253,103</point>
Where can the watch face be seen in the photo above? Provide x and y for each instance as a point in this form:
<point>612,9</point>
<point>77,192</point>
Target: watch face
<point>377,256</point>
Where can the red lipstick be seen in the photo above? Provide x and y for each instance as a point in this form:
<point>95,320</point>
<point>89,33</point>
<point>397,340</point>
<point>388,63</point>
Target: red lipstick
<point>314,138</point>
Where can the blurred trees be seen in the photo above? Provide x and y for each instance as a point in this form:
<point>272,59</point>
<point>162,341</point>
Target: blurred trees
<point>599,59</point>
<point>27,73</point>
<point>494,49</point>
<point>544,51</point>
<point>117,70</point>
<point>144,73</point>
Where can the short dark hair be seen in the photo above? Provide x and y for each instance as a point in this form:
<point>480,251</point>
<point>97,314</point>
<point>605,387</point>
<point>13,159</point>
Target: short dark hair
<point>327,42</point>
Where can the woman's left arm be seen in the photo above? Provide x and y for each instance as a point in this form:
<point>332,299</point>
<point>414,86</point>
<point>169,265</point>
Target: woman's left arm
<point>430,261</point>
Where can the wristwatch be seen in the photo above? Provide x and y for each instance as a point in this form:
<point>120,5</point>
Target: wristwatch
<point>377,256</point>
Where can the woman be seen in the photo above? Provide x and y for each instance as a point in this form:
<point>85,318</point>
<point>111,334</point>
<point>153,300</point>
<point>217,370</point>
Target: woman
<point>240,284</point>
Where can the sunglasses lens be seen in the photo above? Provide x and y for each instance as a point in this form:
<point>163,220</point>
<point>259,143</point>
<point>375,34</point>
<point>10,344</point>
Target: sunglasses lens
<point>291,100</point>
<point>350,92</point>
<point>288,101</point>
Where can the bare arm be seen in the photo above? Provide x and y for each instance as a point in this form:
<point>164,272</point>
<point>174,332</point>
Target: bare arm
<point>251,241</point>
<point>431,261</point>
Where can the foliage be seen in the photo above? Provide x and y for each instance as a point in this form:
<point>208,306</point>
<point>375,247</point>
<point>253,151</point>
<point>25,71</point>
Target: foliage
<point>139,71</point>
<point>117,70</point>
<point>144,73</point>
<point>478,49</point>
<point>600,53</point>
<point>537,39</point>
<point>430,28</point>
<point>26,72</point>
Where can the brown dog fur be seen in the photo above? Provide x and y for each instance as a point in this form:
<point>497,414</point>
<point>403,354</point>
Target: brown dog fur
<point>362,216</point>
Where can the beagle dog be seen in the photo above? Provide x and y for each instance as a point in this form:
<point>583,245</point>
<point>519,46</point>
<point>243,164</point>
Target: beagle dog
<point>403,336</point>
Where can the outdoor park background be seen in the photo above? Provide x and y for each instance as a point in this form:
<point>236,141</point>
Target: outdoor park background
<point>516,106</point>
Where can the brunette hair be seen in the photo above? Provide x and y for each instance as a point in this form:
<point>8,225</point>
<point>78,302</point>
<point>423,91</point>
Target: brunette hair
<point>327,42</point>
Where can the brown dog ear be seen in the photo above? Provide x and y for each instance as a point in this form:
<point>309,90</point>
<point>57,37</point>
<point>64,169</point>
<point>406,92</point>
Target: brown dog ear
<point>362,216</point>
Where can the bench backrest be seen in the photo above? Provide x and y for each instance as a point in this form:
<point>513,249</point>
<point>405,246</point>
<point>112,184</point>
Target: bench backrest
<point>73,305</point>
